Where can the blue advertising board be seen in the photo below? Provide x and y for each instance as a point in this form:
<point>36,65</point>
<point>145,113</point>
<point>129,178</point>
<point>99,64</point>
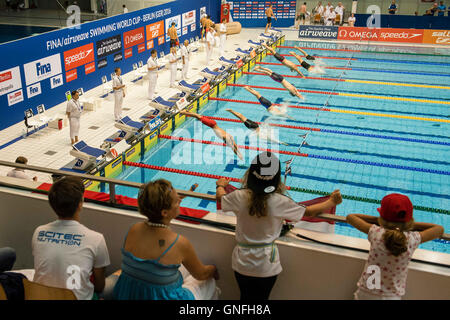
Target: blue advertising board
<point>318,32</point>
<point>253,13</point>
<point>41,69</point>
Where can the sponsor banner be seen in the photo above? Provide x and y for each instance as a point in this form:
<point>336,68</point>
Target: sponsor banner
<point>185,30</point>
<point>188,18</point>
<point>205,87</point>
<point>192,27</point>
<point>41,69</point>
<point>56,81</point>
<point>155,30</point>
<point>89,68</point>
<point>79,56</point>
<point>150,45</point>
<point>109,46</point>
<point>436,36</point>
<point>381,34</point>
<point>71,75</point>
<point>15,97</point>
<point>239,63</point>
<point>182,103</point>
<point>10,80</point>
<point>102,63</point>
<point>118,57</point>
<point>34,90</point>
<point>128,53</point>
<point>133,37</point>
<point>154,123</point>
<point>160,40</point>
<point>318,32</point>
<point>141,48</point>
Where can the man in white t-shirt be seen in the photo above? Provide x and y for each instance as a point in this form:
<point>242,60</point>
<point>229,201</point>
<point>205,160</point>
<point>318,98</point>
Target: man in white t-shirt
<point>66,253</point>
<point>73,111</point>
<point>152,67</point>
<point>209,44</point>
<point>173,61</point>
<point>119,93</point>
<point>330,17</point>
<point>20,173</point>
<point>351,20</point>
<point>185,56</point>
<point>222,35</point>
<point>340,11</point>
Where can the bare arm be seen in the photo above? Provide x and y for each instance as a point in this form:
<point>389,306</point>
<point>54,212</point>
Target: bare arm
<point>193,264</point>
<point>316,209</point>
<point>362,222</point>
<point>99,279</point>
<point>430,231</point>
<point>220,191</point>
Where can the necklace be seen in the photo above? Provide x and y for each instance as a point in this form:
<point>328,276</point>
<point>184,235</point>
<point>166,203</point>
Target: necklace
<point>158,225</point>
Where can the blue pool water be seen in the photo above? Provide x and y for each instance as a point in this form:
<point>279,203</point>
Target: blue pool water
<point>397,152</point>
<point>13,32</point>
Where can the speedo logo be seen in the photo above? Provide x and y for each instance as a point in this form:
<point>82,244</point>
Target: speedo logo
<point>77,57</point>
<point>68,239</point>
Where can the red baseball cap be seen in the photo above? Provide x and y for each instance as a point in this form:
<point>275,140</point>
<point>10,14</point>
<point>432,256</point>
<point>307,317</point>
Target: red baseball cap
<point>396,207</point>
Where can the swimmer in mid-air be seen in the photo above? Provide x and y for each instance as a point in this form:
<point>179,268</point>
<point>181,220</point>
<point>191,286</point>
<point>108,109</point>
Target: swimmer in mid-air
<point>269,106</point>
<point>283,60</point>
<point>222,134</point>
<point>265,134</point>
<point>304,64</point>
<point>279,78</point>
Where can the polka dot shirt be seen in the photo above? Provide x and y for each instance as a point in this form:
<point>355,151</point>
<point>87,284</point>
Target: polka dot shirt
<point>393,270</point>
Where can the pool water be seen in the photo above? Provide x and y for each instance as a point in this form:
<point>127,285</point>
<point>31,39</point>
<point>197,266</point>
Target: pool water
<point>390,133</point>
<point>15,32</point>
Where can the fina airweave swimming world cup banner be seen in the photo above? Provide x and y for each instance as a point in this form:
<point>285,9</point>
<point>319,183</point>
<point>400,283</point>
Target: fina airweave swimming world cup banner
<point>375,34</point>
<point>40,69</point>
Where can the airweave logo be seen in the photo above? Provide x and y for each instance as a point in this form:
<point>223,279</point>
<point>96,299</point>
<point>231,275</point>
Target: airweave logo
<point>320,32</point>
<point>79,56</point>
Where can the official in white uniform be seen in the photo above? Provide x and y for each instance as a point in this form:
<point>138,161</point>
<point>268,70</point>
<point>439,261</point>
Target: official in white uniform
<point>152,67</point>
<point>185,56</point>
<point>119,94</point>
<point>173,60</point>
<point>20,173</point>
<point>209,44</point>
<point>340,11</point>
<point>330,17</point>
<point>73,112</point>
<point>223,36</point>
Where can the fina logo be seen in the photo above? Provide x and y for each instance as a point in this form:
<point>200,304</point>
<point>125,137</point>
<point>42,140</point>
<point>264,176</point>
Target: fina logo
<point>42,69</point>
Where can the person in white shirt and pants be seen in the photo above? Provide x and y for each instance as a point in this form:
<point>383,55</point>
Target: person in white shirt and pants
<point>223,36</point>
<point>209,45</point>
<point>185,55</point>
<point>340,11</point>
<point>152,67</point>
<point>173,60</point>
<point>330,17</point>
<point>73,112</point>
<point>119,94</point>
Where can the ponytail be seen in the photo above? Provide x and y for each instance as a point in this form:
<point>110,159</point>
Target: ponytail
<point>394,238</point>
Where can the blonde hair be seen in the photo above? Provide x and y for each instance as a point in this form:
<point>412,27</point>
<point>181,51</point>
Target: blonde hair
<point>257,205</point>
<point>393,237</point>
<point>154,197</point>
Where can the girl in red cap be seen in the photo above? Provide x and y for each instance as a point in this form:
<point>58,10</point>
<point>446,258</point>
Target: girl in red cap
<point>222,134</point>
<point>392,243</point>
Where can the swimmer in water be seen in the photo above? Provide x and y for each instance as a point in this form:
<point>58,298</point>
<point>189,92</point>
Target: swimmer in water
<point>222,134</point>
<point>304,64</point>
<point>268,105</point>
<point>255,127</point>
<point>283,60</point>
<point>279,78</point>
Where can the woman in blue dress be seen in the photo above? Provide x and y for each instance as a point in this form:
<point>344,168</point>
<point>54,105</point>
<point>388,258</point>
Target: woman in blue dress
<point>152,254</point>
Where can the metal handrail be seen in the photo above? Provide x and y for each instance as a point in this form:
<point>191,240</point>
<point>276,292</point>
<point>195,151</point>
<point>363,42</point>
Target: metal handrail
<point>113,182</point>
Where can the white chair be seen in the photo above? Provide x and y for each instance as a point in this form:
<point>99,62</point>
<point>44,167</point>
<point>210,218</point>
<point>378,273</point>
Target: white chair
<point>30,120</point>
<point>107,87</point>
<point>88,103</point>
<point>42,117</point>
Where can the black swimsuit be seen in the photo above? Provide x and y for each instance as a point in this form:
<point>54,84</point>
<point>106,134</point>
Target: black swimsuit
<point>305,65</point>
<point>251,124</point>
<point>278,57</point>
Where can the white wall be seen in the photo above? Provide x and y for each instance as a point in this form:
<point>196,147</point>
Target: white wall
<point>311,271</point>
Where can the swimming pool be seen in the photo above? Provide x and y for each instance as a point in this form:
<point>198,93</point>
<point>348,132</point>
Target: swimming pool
<point>377,123</point>
<point>15,32</point>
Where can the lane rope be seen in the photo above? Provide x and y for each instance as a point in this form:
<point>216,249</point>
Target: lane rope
<point>303,190</point>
